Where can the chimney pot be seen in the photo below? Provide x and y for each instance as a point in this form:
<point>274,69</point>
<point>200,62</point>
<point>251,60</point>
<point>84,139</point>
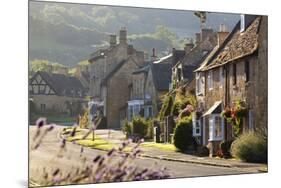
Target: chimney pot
<point>112,40</point>
<point>153,57</point>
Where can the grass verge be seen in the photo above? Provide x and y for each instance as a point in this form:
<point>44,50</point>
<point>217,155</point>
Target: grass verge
<point>161,146</point>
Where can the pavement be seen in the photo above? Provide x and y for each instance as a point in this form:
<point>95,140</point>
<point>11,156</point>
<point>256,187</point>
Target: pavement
<point>117,137</point>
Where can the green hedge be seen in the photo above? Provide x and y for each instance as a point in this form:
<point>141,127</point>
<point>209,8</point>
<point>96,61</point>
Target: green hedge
<point>250,147</point>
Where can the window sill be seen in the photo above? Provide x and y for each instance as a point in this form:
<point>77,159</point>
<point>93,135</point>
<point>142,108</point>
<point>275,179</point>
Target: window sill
<point>196,134</point>
<point>215,139</point>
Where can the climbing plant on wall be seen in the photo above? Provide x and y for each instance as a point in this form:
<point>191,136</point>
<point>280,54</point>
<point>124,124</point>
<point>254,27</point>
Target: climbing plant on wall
<point>234,116</point>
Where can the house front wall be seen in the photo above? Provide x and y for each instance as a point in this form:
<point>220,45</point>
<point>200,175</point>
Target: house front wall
<point>118,93</point>
<point>151,93</point>
<point>52,103</point>
<point>262,78</point>
<point>102,66</point>
<point>222,88</point>
<point>138,86</point>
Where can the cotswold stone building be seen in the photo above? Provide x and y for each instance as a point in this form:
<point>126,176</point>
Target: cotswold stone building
<point>235,70</point>
<point>55,93</point>
<point>110,76</point>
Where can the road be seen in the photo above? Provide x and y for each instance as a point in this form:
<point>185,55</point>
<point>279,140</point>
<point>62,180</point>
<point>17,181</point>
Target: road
<point>45,156</point>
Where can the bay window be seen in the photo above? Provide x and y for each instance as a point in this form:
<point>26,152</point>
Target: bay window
<point>216,127</point>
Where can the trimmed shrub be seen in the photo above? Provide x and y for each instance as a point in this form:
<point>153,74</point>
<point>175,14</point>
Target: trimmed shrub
<point>140,127</point>
<point>183,139</point>
<point>250,147</point>
<point>127,129</point>
<point>149,134</point>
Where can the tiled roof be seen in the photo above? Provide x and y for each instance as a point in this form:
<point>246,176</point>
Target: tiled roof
<point>195,56</point>
<point>237,45</point>
<point>100,53</point>
<point>161,74</point>
<point>63,85</point>
<point>207,59</point>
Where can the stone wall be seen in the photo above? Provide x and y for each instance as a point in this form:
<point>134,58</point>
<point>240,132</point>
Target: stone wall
<point>151,91</point>
<point>118,93</point>
<point>138,86</point>
<point>262,81</point>
<point>102,66</point>
<point>53,103</point>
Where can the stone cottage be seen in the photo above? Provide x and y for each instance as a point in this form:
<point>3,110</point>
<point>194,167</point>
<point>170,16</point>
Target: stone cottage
<point>235,70</point>
<point>54,93</point>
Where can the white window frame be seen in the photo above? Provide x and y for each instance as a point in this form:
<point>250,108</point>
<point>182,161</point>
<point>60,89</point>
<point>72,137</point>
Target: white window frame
<point>210,79</point>
<point>198,84</point>
<point>221,77</point>
<point>196,124</point>
<point>212,128</point>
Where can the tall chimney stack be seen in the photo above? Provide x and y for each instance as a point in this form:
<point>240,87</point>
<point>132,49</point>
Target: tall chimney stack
<point>112,40</point>
<point>222,34</point>
<point>188,46</point>
<point>197,38</point>
<point>123,35</point>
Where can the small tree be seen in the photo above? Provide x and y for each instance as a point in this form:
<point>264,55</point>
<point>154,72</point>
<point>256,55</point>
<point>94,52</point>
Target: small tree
<point>140,126</point>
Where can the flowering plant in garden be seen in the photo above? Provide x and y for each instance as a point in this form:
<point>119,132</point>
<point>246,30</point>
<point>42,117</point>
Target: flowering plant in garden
<point>114,166</point>
<point>234,115</point>
<point>186,111</point>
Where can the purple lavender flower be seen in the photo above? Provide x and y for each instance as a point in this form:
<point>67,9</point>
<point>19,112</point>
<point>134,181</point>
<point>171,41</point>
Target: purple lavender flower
<point>96,158</point>
<point>73,132</point>
<point>63,143</point>
<point>110,152</point>
<point>51,127</point>
<point>56,172</point>
<point>41,122</point>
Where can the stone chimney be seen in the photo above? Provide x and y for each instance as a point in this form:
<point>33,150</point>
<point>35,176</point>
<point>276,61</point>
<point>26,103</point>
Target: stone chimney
<point>206,33</point>
<point>188,46</point>
<point>130,49</point>
<point>222,34</point>
<point>153,56</point>
<point>112,40</point>
<point>123,35</point>
<point>197,38</point>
